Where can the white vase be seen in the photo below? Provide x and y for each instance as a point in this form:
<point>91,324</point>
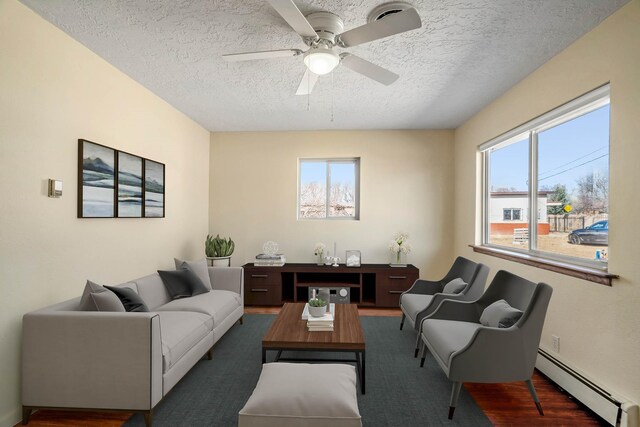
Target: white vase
<point>317,311</point>
<point>220,261</point>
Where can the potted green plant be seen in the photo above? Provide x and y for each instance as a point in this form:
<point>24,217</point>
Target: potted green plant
<point>219,250</point>
<point>317,307</point>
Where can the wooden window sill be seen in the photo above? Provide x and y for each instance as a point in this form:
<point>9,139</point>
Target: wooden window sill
<point>585,273</point>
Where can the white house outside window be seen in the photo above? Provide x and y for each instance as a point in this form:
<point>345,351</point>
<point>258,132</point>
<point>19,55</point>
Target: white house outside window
<point>561,157</point>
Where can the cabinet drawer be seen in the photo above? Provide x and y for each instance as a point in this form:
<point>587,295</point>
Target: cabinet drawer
<point>262,277</point>
<point>396,279</point>
<point>389,295</point>
<point>262,295</point>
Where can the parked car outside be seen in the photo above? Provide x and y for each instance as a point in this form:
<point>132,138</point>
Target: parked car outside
<point>595,234</point>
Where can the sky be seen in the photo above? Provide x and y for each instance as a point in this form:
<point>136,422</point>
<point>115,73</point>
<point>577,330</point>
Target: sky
<point>565,153</point>
<point>316,172</point>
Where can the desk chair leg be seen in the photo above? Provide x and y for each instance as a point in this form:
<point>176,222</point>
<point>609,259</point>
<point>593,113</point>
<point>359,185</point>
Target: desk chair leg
<point>532,390</point>
<point>404,316</point>
<point>455,392</point>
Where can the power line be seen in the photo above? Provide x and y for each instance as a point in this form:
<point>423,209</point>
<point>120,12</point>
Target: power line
<point>572,161</point>
<point>577,166</point>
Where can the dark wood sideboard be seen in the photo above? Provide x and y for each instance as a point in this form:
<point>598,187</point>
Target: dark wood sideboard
<point>372,285</point>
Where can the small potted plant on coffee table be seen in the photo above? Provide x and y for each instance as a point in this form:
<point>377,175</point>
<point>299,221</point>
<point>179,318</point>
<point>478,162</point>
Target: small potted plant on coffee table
<point>317,307</point>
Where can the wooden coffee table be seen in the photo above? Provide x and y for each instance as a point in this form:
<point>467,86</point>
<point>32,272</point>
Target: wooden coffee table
<point>289,332</point>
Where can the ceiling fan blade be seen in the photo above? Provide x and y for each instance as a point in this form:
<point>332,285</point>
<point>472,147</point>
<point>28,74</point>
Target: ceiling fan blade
<point>389,25</point>
<point>307,83</point>
<point>265,54</point>
<point>368,69</point>
<point>290,12</point>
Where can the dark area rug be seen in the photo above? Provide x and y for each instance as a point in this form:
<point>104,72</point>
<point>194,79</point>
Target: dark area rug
<point>399,392</point>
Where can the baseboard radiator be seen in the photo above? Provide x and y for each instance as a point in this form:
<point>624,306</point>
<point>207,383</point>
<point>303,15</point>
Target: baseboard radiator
<point>615,409</point>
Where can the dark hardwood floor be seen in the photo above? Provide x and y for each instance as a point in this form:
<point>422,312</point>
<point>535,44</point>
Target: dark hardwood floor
<point>504,404</point>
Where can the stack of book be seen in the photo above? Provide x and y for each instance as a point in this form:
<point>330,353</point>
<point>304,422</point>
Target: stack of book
<point>264,260</point>
<point>324,323</point>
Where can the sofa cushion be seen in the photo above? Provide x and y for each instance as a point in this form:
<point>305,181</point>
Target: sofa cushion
<point>180,332</point>
<point>415,303</point>
<point>454,287</point>
<point>500,314</point>
<point>283,397</point>
<point>98,298</point>
<point>152,290</point>
<point>182,283</point>
<point>448,336</point>
<point>217,304</point>
<point>129,298</point>
<point>199,267</point>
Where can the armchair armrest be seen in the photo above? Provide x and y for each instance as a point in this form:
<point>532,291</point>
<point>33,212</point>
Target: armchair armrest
<point>81,359</point>
<point>493,355</point>
<point>449,309</point>
<point>228,279</point>
<point>425,287</point>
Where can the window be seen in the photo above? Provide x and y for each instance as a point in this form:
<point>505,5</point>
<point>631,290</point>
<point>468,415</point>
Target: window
<point>511,214</point>
<point>328,189</point>
<point>561,157</point>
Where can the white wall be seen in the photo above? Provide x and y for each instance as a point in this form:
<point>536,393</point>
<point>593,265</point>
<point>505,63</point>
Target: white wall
<point>52,92</point>
<point>406,185</point>
<point>599,326</point>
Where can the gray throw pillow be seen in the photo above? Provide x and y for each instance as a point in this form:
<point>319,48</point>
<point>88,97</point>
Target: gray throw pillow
<point>500,315</point>
<point>97,298</point>
<point>129,299</point>
<point>455,286</point>
<point>182,283</point>
<point>199,267</point>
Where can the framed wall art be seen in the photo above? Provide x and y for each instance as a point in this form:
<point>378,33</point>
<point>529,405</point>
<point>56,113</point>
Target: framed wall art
<point>153,189</point>
<point>96,180</point>
<point>130,175</point>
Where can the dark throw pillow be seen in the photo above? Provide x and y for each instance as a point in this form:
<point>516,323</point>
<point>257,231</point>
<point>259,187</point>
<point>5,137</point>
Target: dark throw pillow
<point>182,283</point>
<point>500,315</point>
<point>129,298</point>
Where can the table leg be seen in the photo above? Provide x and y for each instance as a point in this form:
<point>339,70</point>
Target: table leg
<point>264,355</point>
<point>363,372</point>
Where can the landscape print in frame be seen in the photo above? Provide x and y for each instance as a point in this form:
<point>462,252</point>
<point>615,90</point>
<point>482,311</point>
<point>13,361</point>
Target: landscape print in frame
<point>129,185</point>
<point>96,180</point>
<point>153,189</point>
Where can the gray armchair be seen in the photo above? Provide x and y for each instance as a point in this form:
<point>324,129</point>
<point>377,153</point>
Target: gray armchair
<point>424,296</point>
<point>468,351</point>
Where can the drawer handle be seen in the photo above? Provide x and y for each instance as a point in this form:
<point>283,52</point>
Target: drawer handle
<point>259,290</point>
<point>396,292</point>
<point>260,275</point>
<point>397,277</point>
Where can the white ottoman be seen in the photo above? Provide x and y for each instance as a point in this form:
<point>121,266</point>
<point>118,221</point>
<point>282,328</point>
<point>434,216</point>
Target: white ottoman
<point>303,394</point>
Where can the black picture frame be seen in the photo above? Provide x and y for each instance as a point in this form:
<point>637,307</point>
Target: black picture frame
<point>96,180</point>
<point>154,190</point>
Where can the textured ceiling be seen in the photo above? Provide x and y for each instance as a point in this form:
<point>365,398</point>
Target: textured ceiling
<point>467,53</point>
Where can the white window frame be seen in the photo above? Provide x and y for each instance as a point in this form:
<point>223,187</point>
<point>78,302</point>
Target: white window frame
<point>584,104</point>
<point>328,162</point>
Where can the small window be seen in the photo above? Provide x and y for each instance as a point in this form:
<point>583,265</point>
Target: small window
<point>511,214</point>
<point>328,189</point>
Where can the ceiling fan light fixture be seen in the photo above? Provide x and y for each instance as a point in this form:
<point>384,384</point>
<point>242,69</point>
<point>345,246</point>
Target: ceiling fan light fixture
<point>321,61</point>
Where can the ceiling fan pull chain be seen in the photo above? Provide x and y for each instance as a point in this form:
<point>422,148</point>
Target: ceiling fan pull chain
<point>332,92</point>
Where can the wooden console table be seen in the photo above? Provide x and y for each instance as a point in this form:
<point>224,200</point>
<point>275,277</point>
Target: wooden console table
<point>373,285</point>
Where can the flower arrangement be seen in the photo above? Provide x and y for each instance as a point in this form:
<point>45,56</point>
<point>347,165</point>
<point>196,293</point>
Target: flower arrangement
<point>318,251</point>
<point>399,245</point>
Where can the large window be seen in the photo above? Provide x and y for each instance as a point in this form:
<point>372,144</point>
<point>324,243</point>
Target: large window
<point>328,189</point>
<point>557,166</point>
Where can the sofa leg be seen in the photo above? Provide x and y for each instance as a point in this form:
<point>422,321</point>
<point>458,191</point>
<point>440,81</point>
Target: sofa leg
<point>404,316</point>
<point>423,355</point>
<point>26,413</point>
<point>241,320</point>
<point>455,392</point>
<point>148,417</point>
<point>210,353</point>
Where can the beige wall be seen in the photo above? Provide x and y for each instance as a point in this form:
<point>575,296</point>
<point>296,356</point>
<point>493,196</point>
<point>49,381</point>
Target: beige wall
<point>52,92</point>
<point>406,184</point>
<point>599,326</point>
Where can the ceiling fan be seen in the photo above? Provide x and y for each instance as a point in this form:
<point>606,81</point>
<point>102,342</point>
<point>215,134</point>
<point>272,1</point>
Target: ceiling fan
<point>322,31</point>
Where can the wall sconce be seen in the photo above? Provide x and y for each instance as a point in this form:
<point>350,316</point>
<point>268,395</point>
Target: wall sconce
<point>55,188</point>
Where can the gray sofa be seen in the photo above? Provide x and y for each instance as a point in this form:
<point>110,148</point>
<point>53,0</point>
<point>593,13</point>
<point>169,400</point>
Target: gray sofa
<point>124,360</point>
